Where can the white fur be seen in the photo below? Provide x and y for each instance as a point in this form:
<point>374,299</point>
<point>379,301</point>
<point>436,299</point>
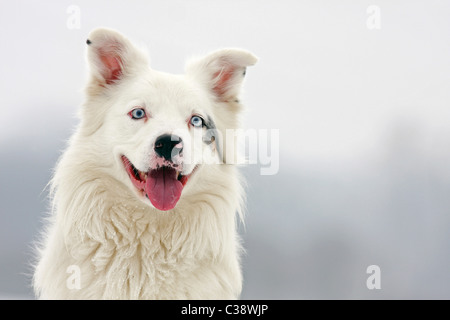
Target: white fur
<point>123,246</point>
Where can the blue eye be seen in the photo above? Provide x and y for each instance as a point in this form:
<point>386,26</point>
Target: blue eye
<point>137,113</point>
<point>197,122</point>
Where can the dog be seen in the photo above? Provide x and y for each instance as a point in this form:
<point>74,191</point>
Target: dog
<point>145,203</point>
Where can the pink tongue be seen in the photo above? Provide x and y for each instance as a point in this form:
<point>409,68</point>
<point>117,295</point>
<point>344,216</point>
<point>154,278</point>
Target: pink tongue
<point>163,189</point>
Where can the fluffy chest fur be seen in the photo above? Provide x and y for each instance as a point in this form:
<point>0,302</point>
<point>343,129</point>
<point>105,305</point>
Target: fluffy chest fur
<point>126,251</point>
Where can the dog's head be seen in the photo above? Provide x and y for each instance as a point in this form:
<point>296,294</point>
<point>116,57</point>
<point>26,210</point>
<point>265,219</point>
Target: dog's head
<point>158,130</point>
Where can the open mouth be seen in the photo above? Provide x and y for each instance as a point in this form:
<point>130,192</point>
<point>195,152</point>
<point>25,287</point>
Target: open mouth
<point>162,186</point>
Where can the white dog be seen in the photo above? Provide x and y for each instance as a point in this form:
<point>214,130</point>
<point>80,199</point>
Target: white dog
<point>141,209</point>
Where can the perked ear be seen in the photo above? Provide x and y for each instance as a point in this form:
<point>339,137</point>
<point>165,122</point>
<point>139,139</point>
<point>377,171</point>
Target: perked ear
<point>112,56</point>
<point>222,71</point>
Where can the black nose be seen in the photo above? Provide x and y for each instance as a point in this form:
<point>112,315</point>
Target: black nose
<point>168,146</point>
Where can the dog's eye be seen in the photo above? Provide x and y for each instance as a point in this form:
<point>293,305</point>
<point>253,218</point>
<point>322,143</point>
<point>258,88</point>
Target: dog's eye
<point>197,122</point>
<point>137,113</point>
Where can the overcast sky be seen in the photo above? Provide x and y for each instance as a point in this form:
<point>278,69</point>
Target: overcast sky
<point>325,79</point>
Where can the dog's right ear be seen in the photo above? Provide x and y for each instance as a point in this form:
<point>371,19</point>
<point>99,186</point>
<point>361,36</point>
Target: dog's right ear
<point>112,57</point>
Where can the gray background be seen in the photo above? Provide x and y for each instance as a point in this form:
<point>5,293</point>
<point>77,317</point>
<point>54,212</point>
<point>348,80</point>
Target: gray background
<point>364,120</point>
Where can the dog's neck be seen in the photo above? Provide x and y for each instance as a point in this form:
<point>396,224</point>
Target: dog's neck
<point>126,220</point>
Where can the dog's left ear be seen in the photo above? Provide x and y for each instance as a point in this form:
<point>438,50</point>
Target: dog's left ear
<point>222,71</point>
